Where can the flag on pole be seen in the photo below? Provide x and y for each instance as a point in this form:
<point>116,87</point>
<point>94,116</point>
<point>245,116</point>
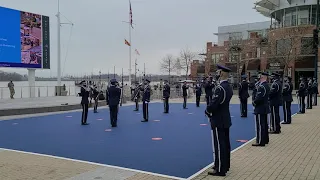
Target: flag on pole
<point>127,42</point>
<point>131,21</point>
<point>137,52</point>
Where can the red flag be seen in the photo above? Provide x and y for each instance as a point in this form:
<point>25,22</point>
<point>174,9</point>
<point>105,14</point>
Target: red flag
<point>137,52</point>
<point>127,42</point>
<point>131,21</point>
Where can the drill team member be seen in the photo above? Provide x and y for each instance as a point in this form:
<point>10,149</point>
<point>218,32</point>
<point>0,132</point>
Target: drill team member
<point>315,91</point>
<point>146,100</point>
<point>287,100</point>
<point>113,100</point>
<point>95,94</point>
<point>84,93</point>
<point>136,95</point>
<point>220,119</point>
<point>275,102</point>
<point>302,95</point>
<point>198,94</point>
<point>243,96</point>
<point>208,88</point>
<point>309,94</point>
<point>185,87</point>
<point>166,96</point>
<point>261,110</point>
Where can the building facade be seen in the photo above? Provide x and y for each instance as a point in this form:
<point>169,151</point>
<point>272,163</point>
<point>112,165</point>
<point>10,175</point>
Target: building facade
<point>284,44</point>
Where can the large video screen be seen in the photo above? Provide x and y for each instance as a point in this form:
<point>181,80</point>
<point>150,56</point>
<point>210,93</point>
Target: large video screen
<point>24,39</point>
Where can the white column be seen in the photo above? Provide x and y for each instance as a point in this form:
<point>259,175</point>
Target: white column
<point>58,46</point>
<point>32,82</point>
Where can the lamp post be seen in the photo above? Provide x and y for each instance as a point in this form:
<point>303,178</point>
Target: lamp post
<point>317,45</point>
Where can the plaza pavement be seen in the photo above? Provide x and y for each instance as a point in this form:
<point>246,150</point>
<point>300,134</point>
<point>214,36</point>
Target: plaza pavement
<point>294,154</point>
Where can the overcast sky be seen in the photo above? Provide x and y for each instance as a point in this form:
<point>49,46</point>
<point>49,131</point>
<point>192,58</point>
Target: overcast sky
<point>162,27</point>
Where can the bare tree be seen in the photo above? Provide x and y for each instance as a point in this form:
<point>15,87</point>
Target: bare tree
<point>167,64</point>
<point>288,47</point>
<point>185,60</point>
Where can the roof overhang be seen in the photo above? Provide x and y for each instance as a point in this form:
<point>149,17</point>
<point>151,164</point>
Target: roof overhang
<point>268,4</point>
<point>263,11</point>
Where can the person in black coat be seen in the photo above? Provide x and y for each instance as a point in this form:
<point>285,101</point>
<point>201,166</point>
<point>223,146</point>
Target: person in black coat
<point>136,95</point>
<point>185,88</point>
<point>261,110</point>
<point>198,90</point>
<point>302,95</point>
<point>243,96</point>
<point>208,89</point>
<point>287,100</point>
<point>166,96</point>
<point>275,102</point>
<point>220,119</point>
<point>315,91</point>
<point>95,94</point>
<point>145,100</point>
<point>309,94</point>
<point>113,100</point>
<point>84,93</point>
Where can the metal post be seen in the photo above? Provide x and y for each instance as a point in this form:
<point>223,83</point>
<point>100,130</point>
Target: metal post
<point>114,72</point>
<point>59,46</point>
<point>316,51</point>
<point>130,46</point>
<point>122,90</point>
<point>135,71</point>
<point>144,71</point>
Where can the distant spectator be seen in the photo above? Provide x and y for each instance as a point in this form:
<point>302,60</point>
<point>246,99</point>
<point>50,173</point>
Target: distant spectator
<point>11,88</point>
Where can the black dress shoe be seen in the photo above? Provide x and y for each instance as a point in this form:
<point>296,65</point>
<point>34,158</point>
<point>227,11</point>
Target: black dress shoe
<point>136,110</point>
<point>243,116</point>
<point>84,123</point>
<point>165,112</point>
<point>260,145</point>
<point>216,174</point>
<point>144,121</point>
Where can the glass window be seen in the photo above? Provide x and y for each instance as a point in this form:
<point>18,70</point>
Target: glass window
<point>306,45</point>
<point>217,57</point>
<point>234,57</point>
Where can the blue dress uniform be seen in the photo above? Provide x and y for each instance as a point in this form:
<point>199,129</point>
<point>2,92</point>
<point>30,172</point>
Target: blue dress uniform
<point>166,96</point>
<point>84,93</point>
<point>185,87</point>
<point>302,95</point>
<point>95,94</point>
<point>309,94</point>
<point>208,89</point>
<point>113,100</point>
<point>315,91</point>
<point>287,100</point>
<point>243,96</point>
<point>220,119</point>
<point>261,111</point>
<point>136,96</point>
<point>275,102</point>
<point>146,100</point>
<point>198,94</point>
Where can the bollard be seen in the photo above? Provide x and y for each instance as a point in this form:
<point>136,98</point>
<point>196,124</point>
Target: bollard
<point>38,92</point>
<point>1,93</point>
<point>21,92</point>
<point>69,90</point>
<point>47,91</point>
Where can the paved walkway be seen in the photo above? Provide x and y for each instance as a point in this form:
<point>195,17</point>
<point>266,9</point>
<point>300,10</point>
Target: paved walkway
<point>294,154</point>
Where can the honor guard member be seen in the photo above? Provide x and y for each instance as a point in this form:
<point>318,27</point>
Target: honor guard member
<point>166,96</point>
<point>302,94</point>
<point>220,119</point>
<point>275,102</point>
<point>208,89</point>
<point>84,93</point>
<point>315,91</point>
<point>113,100</point>
<point>309,94</point>
<point>261,110</point>
<point>136,95</point>
<point>243,96</point>
<point>185,87</point>
<point>146,100</point>
<point>95,94</point>
<point>287,100</point>
<point>198,94</point>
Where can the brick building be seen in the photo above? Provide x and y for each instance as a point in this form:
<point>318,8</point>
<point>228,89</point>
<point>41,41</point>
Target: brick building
<point>284,42</point>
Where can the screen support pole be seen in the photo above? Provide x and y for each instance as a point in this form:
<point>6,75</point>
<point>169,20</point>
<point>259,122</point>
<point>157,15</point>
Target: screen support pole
<point>32,82</point>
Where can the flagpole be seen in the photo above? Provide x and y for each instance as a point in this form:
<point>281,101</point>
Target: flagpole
<point>130,26</point>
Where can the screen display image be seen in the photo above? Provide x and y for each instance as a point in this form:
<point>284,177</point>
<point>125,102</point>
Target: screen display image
<point>22,39</point>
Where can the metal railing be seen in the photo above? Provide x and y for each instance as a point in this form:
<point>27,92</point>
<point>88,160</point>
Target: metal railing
<point>39,91</point>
